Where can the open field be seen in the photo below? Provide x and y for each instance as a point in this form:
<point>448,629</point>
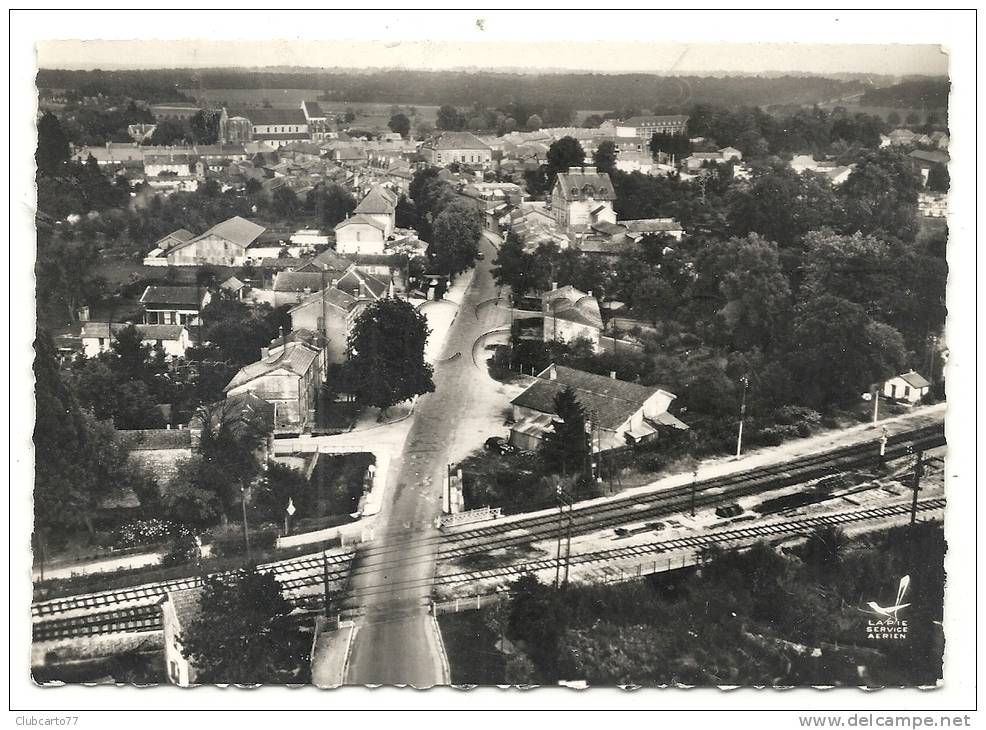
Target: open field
<point>277,98</point>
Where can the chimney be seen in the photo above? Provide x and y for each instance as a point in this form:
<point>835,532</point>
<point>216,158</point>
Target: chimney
<point>264,352</point>
<point>554,285</point>
<point>612,374</point>
<point>552,374</point>
<point>167,426</point>
<point>589,170</point>
<point>589,293</point>
<point>333,283</point>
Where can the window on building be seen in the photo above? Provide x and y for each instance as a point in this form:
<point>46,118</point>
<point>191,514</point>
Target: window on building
<point>173,671</point>
<point>907,390</point>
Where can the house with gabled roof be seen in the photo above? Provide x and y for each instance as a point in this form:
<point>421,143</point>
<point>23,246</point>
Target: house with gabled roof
<point>289,378</point>
<point>178,610</point>
<point>172,339</point>
<point>225,244</point>
<point>582,196</point>
<point>618,412</point>
<point>174,304</point>
<point>910,387</point>
<point>361,234</point>
<point>379,204</point>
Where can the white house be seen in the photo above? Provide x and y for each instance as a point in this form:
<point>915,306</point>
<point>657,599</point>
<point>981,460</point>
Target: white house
<point>909,386</point>
<point>173,339</point>
<point>178,610</point>
<point>380,205</point>
<point>359,234</point>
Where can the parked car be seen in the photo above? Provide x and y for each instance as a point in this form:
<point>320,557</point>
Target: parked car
<point>499,445</point>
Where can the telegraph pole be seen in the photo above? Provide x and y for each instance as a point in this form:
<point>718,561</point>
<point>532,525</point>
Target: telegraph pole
<point>918,472</point>
<point>739,438</point>
<point>694,479</point>
<point>246,528</point>
<point>325,582</point>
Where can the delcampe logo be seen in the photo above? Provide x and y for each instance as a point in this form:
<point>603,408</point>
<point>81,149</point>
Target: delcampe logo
<point>889,625</point>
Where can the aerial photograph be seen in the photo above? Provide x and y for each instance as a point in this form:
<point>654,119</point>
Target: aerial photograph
<point>507,370</point>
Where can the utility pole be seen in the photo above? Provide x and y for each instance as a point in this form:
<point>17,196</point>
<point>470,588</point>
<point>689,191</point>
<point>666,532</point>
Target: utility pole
<point>739,438</point>
<point>918,472</point>
<point>694,479</point>
<point>558,491</point>
<point>246,528</point>
<point>876,403</point>
<point>325,582</point>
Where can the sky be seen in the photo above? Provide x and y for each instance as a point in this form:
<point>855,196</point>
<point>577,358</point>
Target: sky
<point>606,42</point>
<point>607,57</point>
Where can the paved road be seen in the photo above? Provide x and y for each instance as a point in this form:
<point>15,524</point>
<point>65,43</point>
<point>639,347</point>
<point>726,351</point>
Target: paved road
<point>396,642</point>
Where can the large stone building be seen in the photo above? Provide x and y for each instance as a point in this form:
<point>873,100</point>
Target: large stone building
<point>276,127</point>
<point>462,147</point>
<point>582,197</point>
<point>646,126</point>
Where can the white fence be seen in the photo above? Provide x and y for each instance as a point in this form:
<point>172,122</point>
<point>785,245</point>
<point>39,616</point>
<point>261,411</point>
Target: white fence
<point>468,518</point>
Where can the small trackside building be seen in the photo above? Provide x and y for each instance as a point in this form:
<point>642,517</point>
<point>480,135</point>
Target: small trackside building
<point>178,610</point>
<point>910,387</point>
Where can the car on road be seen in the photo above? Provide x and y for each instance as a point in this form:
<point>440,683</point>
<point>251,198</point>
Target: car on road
<point>499,445</point>
<point>480,255</point>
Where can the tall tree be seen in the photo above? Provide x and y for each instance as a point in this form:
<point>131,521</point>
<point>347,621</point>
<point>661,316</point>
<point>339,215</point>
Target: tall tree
<point>53,149</point>
<point>78,460</point>
<point>204,126</point>
<point>566,446</point>
<point>330,203</point>
<point>243,632</point>
<point>455,237</point>
<point>230,443</point>
<point>881,195</point>
<point>449,119</point>
<point>838,352</point>
<point>755,292</point>
<point>604,158</point>
<point>387,354</point>
<point>400,123</point>
<point>563,154</point>
<point>518,269</point>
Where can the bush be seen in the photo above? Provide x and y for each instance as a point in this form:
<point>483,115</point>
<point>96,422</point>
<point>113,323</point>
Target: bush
<point>144,532</point>
<point>804,420</point>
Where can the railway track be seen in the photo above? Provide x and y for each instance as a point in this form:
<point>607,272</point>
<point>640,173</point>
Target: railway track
<point>709,492</point>
<point>301,573</point>
<point>773,532</point>
<point>293,574</point>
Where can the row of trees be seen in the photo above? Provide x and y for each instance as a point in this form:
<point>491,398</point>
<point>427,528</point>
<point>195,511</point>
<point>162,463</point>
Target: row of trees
<point>504,119</point>
<point>450,223</point>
